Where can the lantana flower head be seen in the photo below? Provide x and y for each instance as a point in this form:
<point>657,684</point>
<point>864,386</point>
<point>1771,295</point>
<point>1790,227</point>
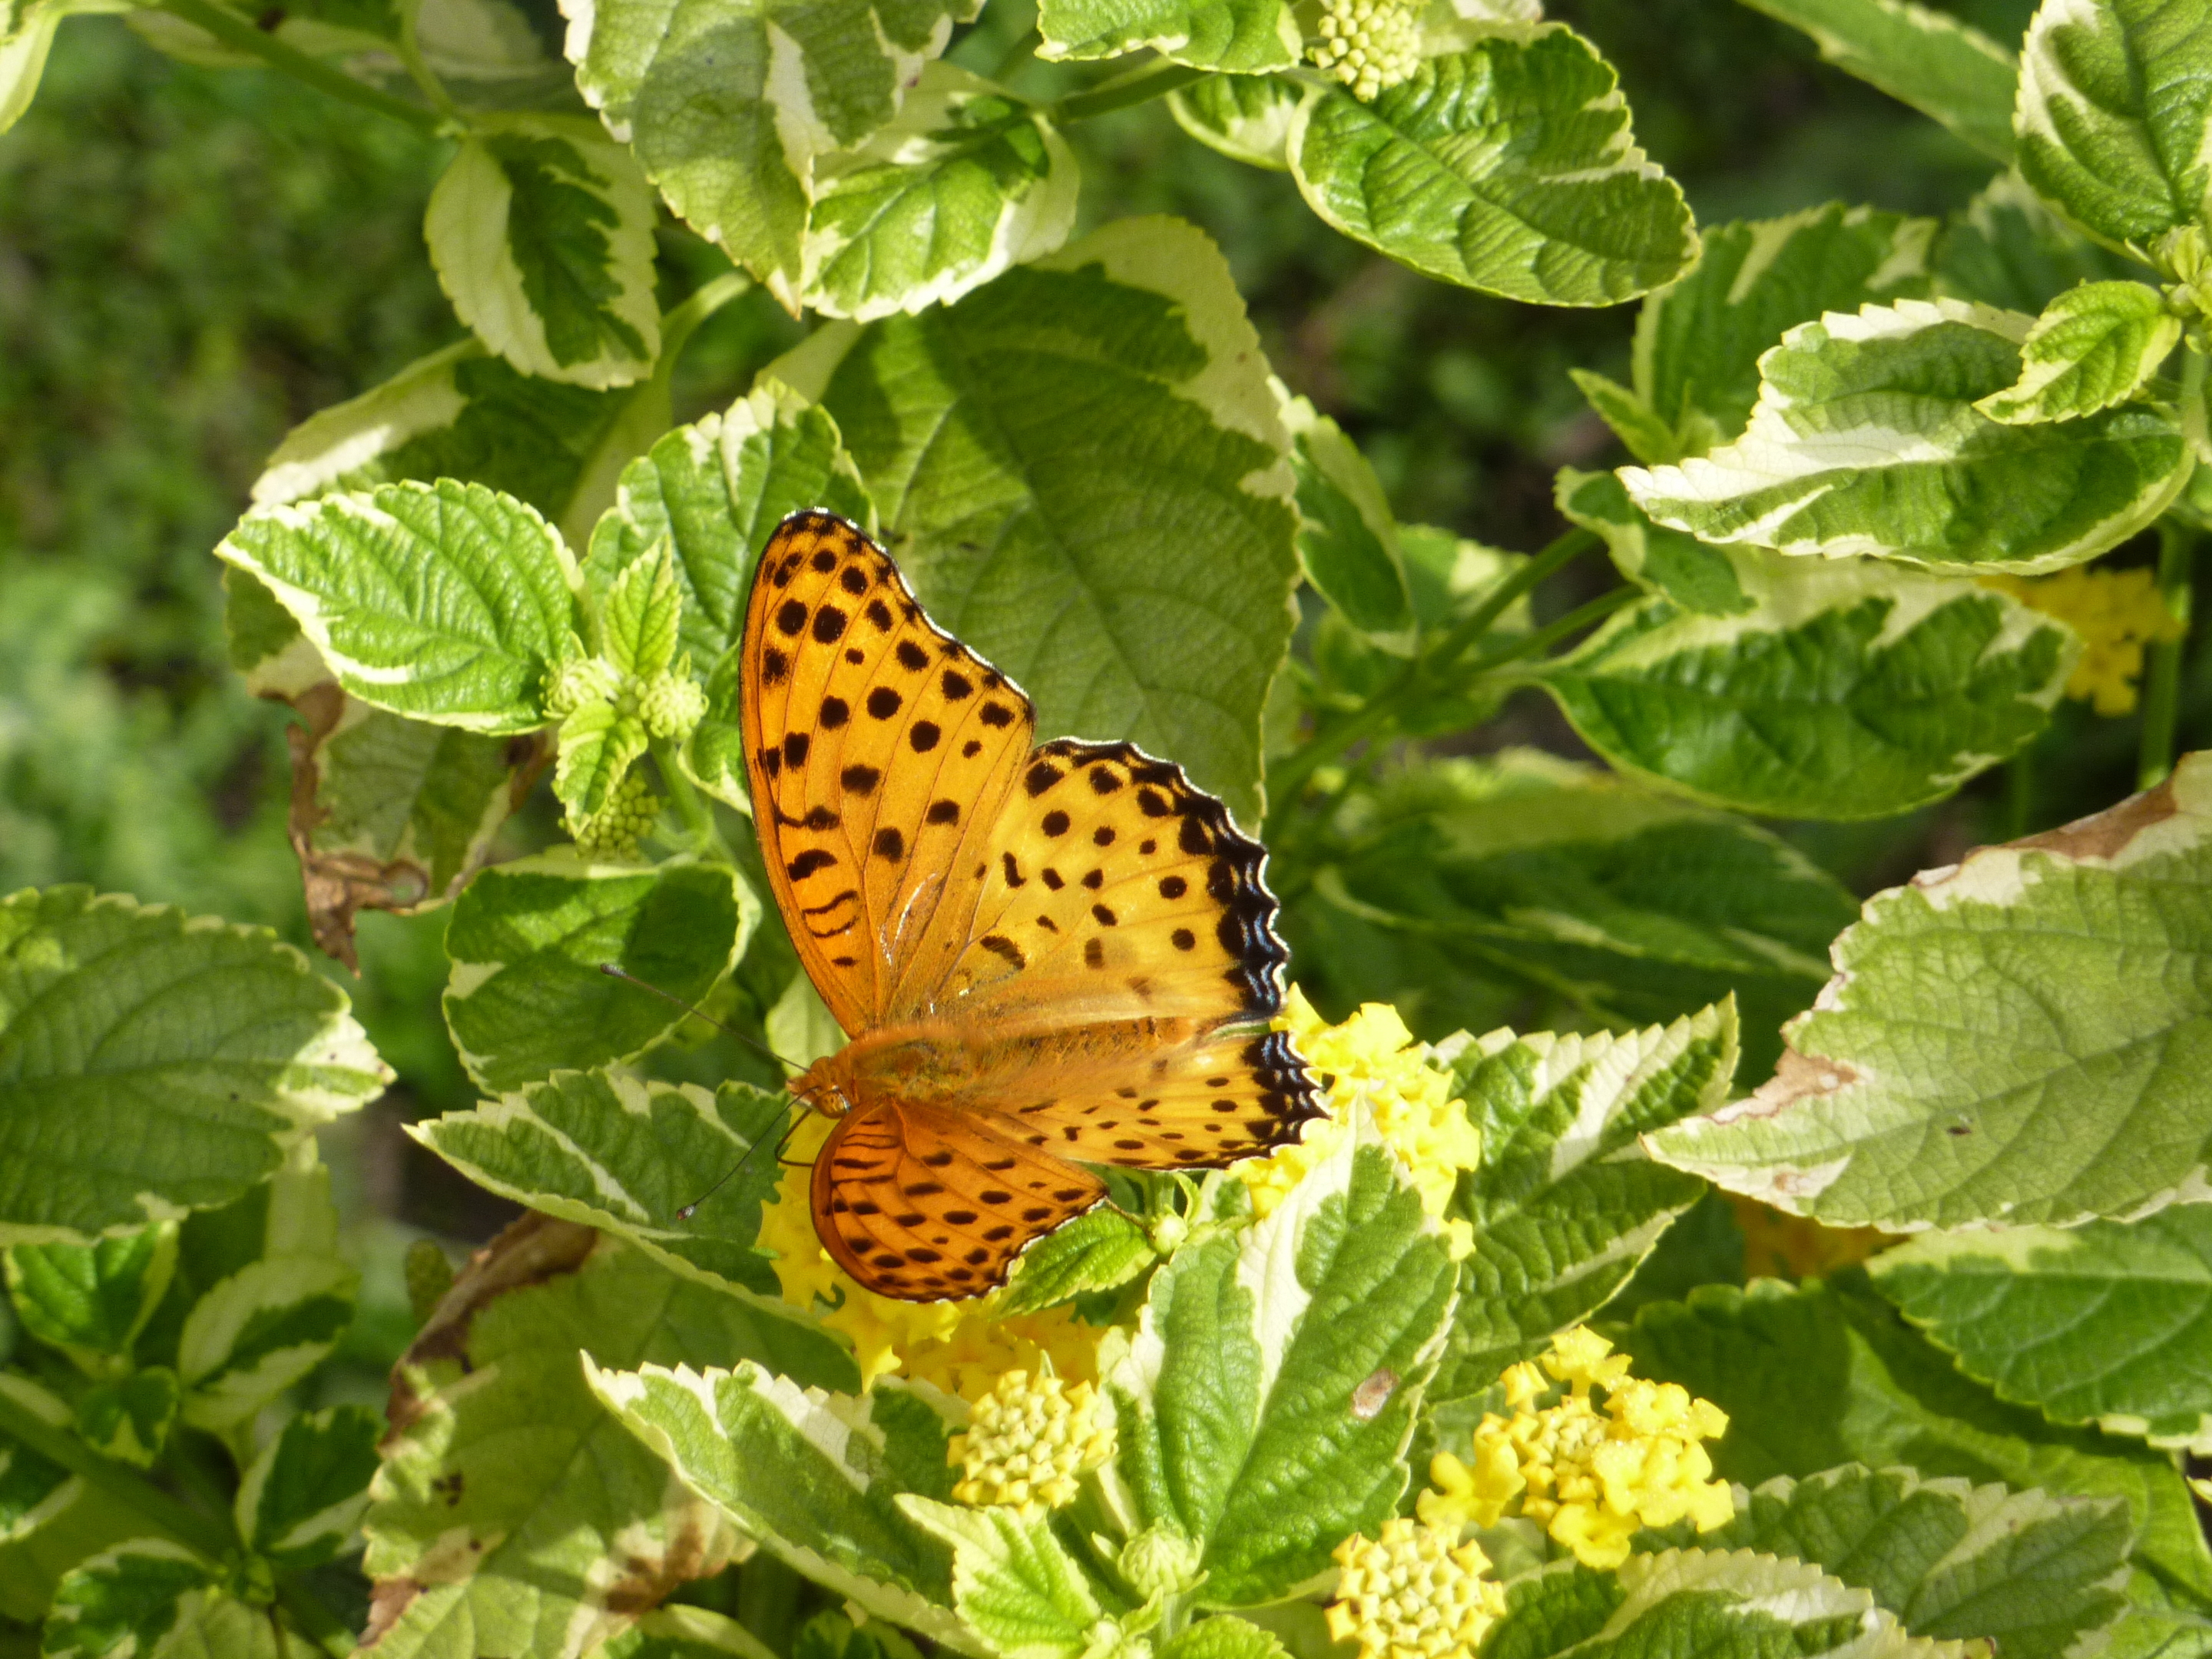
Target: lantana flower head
<point>1372,1059</point>
<point>1030,1440</point>
<point>1416,1592</point>
<point>2118,613</point>
<point>1612,1454</point>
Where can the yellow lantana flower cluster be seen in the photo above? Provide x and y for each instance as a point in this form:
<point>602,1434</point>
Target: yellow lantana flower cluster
<point>1372,1059</point>
<point>960,1347</point>
<point>1415,1593</point>
<point>1369,45</point>
<point>2118,613</point>
<point>1593,1470</point>
<point>1029,1441</point>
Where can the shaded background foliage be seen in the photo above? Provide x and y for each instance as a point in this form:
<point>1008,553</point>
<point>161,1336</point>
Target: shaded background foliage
<point>192,261</point>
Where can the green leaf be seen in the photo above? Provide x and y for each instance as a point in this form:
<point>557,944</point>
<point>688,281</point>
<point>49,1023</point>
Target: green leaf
<point>1822,1376</point>
<point>1829,689</point>
<point>727,111</point>
<point>300,1500</point>
<point>151,1064</point>
<point>2036,1574</point>
<point>1047,451</point>
<point>541,233</point>
<point>714,491</point>
<point>2093,347</point>
<point>2021,1037</point>
<point>1224,1637</point>
<point>529,939</point>
<point>684,1632</point>
<point>966,180</point>
<point>260,1328</point>
<point>2007,248</point>
<point>49,1519</point>
<point>1647,437</point>
<point>617,1152</point>
<point>1731,1605</point>
<point>447,603</point>
<point>815,1477</point>
<point>1507,167</point>
<point>642,614</point>
<point>1943,68</point>
<point>129,1420</point>
<point>454,414</point>
<point>514,1514</point>
<point>389,813</point>
<point>2113,114</point>
<point>1631,907</point>
<point>1245,116</point>
<point>1237,35</point>
<point>1013,1584</point>
<point>1289,1357</point>
<point>1101,1250</point>
<point>1865,440</point>
<point>1566,1205</point>
<point>90,1301</point>
<point>1347,537</point>
<point>151,1598</point>
<point>598,748</point>
<point>1698,342</point>
<point>2102,1323</point>
<point>1694,575</point>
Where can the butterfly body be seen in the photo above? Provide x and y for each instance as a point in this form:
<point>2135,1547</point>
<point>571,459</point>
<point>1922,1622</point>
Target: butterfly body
<point>1045,956</point>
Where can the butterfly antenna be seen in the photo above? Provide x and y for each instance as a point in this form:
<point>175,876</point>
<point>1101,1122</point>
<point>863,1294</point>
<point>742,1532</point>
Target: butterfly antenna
<point>614,972</point>
<point>691,1209</point>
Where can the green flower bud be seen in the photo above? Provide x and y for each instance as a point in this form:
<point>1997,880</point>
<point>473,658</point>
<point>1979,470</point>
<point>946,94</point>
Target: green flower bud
<point>615,830</point>
<point>1369,45</point>
<point>670,705</point>
<point>579,680</point>
<point>1161,1561</point>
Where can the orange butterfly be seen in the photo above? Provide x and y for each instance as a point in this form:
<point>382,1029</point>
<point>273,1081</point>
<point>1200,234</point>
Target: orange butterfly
<point>1039,954</point>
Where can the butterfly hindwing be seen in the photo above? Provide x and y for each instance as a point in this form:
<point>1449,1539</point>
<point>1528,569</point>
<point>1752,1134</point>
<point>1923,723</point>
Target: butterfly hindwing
<point>877,748</point>
<point>921,1203</point>
<point>1193,1104</point>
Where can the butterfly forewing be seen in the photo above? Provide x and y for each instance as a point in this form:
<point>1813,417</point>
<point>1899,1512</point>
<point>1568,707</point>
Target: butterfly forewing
<point>876,747</point>
<point>917,1202</point>
<point>1113,885</point>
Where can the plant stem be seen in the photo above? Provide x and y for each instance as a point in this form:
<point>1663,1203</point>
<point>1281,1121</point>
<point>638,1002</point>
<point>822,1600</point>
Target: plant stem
<point>319,1625</point>
<point>210,1535</point>
<point>698,820</point>
<point>1016,55</point>
<point>418,68</point>
<point>1139,85</point>
<point>1478,622</point>
<point>236,31</point>
<point>2020,795</point>
<point>680,322</point>
<point>1574,621</point>
<point>2176,554</point>
<point>768,1600</point>
<point>1287,780</point>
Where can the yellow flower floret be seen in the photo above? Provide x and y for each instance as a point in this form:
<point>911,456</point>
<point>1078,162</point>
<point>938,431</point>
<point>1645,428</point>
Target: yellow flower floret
<point>1372,1059</point>
<point>960,1347</point>
<point>1030,1440</point>
<point>1369,45</point>
<point>1612,1454</point>
<point>2116,612</point>
<point>1415,1593</point>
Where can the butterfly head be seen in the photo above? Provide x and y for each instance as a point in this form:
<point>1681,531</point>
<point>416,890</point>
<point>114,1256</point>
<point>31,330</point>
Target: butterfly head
<point>826,1086</point>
